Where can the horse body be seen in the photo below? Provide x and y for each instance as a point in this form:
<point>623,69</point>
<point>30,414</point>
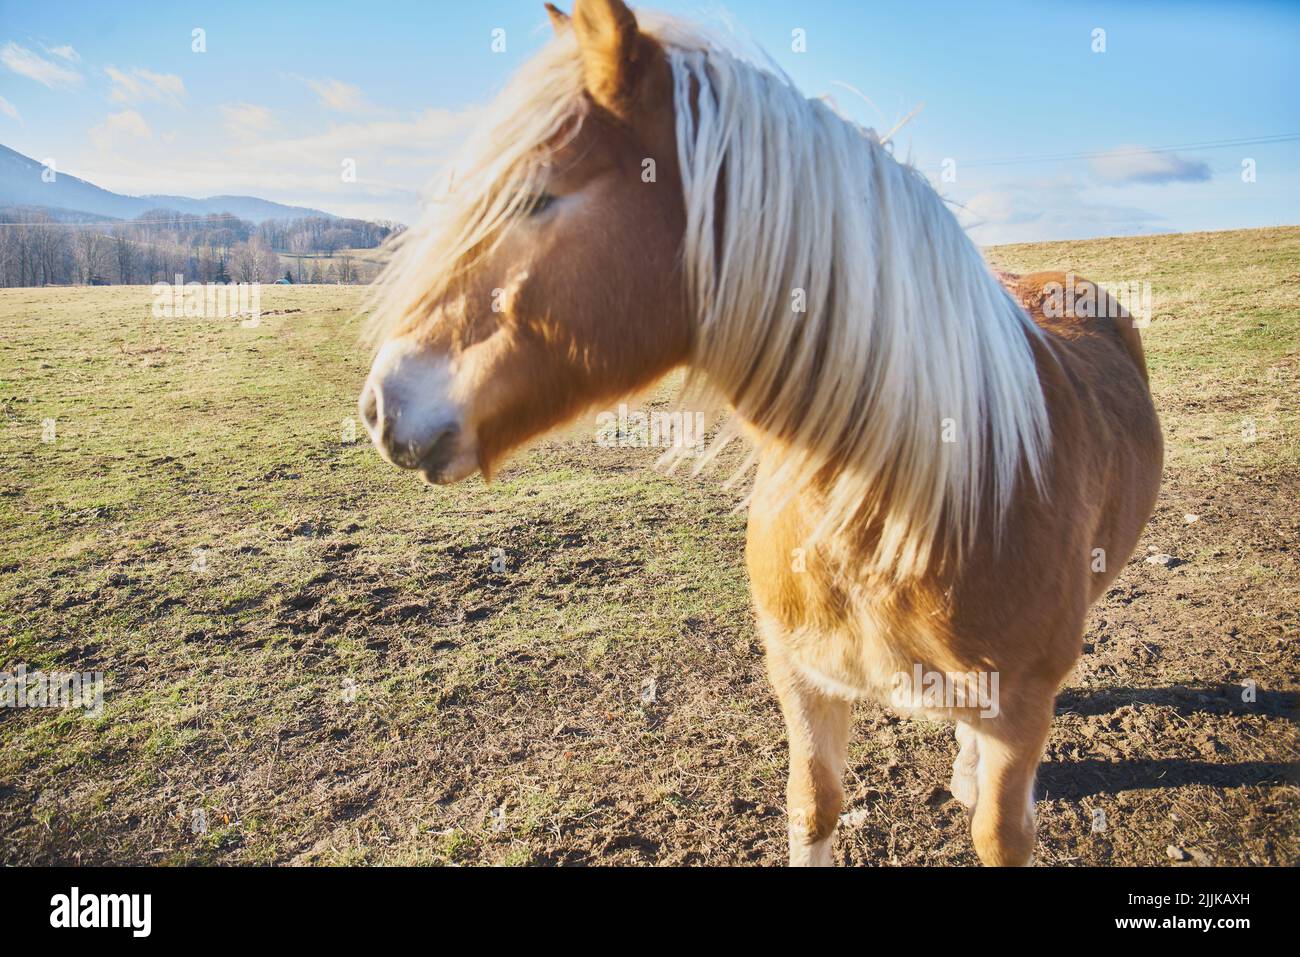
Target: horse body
<point>949,472</point>
<point>1013,608</point>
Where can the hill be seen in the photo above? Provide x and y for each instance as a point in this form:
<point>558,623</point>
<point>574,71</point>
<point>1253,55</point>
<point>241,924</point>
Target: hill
<point>21,184</point>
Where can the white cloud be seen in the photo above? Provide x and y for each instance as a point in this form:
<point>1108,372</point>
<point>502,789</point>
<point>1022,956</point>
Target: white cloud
<point>992,206</point>
<point>141,84</point>
<point>66,52</point>
<point>119,127</point>
<point>337,95</point>
<point>386,141</point>
<point>394,160</point>
<point>1136,164</point>
<point>35,67</point>
<point>1044,209</point>
<point>9,110</point>
<point>246,119</point>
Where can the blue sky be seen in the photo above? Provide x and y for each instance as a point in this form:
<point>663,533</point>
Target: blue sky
<point>285,92</point>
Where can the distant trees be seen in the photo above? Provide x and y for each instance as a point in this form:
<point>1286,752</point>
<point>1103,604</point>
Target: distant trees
<point>299,247</point>
<point>91,248</point>
<point>322,234</point>
<point>37,250</point>
<point>124,254</point>
<point>254,262</point>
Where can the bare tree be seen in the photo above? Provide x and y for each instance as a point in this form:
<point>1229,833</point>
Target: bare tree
<point>91,249</point>
<point>299,246</point>
<point>243,266</point>
<point>124,255</point>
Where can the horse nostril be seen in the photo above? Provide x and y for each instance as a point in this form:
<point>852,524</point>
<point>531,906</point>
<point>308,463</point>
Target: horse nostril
<point>443,440</point>
<point>368,406</point>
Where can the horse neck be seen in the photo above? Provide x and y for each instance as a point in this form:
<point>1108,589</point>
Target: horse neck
<point>846,315</point>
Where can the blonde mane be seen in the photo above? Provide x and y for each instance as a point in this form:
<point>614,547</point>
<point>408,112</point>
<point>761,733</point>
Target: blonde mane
<point>846,315</point>
<point>839,306</point>
<point>486,189</point>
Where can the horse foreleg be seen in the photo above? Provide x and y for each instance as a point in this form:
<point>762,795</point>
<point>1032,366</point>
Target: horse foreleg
<point>1009,749</point>
<point>817,726</point>
<point>965,782</point>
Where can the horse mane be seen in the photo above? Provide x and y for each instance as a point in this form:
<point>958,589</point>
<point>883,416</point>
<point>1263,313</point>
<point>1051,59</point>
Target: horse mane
<point>848,318</point>
<point>904,333</point>
<point>484,190</point>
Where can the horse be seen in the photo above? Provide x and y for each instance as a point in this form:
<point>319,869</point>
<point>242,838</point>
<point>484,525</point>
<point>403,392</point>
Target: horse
<point>947,469</point>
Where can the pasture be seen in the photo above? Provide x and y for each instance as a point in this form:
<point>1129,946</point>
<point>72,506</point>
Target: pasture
<point>334,664</point>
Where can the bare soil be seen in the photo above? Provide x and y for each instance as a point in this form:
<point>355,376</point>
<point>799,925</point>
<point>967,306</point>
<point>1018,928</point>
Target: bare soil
<point>311,659</point>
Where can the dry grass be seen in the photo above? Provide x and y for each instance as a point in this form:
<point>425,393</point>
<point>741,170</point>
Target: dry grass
<point>506,716</point>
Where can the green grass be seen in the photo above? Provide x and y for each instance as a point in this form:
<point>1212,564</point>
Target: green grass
<point>1223,342</point>
<point>181,440</point>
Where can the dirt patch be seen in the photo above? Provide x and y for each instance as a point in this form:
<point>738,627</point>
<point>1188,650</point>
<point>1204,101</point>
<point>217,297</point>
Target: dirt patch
<point>310,659</point>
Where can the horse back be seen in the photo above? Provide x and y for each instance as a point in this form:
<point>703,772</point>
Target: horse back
<point>1091,310</point>
<point>1107,447</point>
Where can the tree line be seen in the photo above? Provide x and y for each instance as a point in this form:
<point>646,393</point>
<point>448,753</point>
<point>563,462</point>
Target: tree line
<point>37,249</point>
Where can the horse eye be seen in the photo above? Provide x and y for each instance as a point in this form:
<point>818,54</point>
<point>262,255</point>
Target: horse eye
<point>540,203</point>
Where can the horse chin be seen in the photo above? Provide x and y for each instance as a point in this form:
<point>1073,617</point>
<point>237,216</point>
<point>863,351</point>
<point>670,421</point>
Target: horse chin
<point>460,466</point>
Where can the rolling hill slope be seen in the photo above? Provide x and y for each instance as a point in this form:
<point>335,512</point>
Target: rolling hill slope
<point>21,185</point>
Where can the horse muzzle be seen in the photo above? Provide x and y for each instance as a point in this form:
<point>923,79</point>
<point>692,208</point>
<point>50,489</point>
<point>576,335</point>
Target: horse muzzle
<point>410,417</point>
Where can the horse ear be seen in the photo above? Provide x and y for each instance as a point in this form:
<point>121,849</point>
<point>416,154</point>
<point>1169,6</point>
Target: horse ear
<point>559,19</point>
<point>611,52</point>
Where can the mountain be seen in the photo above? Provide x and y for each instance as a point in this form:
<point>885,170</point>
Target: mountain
<point>21,185</point>
<point>245,207</point>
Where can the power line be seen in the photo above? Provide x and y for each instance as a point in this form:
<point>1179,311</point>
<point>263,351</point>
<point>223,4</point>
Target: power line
<point>216,220</point>
<point>117,222</point>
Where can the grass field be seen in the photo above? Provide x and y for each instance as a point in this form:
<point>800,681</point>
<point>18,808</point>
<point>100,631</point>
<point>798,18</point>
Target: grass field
<point>321,656</point>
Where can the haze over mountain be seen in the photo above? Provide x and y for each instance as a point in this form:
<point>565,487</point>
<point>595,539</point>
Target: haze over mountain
<point>21,185</point>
